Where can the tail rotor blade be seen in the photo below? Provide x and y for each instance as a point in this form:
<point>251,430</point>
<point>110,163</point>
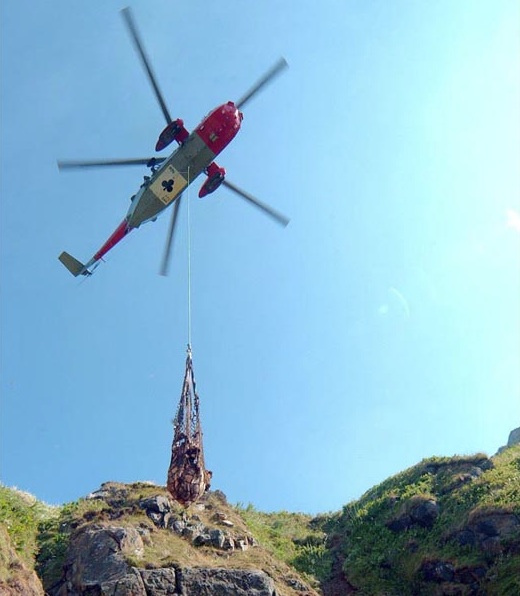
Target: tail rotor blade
<point>267,78</point>
<point>140,161</point>
<point>127,15</point>
<point>276,215</point>
<point>169,239</point>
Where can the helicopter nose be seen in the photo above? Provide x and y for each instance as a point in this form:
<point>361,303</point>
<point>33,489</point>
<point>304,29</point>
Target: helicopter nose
<point>235,112</point>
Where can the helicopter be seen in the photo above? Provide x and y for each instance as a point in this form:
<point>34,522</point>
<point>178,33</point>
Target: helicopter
<point>170,176</point>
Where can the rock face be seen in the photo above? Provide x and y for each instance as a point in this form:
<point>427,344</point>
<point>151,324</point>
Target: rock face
<point>224,582</point>
<point>96,565</point>
<point>96,561</point>
<point>514,439</point>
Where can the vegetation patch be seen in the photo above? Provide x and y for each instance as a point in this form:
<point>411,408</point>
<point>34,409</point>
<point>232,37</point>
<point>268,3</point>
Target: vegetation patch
<point>449,525</point>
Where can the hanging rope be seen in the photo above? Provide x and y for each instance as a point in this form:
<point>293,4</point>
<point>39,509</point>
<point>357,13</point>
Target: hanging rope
<point>188,478</point>
<point>188,219</point>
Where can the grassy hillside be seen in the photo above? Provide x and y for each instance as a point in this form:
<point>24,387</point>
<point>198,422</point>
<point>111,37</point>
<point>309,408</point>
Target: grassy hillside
<point>444,526</point>
<point>20,517</point>
<point>469,542</point>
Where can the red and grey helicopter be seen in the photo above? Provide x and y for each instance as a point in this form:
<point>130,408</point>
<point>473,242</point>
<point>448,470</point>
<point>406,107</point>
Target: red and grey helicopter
<point>170,176</point>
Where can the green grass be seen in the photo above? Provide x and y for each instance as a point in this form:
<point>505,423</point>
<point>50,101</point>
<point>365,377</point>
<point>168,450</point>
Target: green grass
<point>375,559</point>
<point>378,560</point>
<point>292,538</point>
<point>20,516</point>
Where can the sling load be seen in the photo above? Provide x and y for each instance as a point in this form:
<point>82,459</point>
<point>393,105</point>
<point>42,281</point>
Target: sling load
<point>188,478</point>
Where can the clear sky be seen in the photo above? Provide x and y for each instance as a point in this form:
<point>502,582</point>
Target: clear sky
<point>380,327</point>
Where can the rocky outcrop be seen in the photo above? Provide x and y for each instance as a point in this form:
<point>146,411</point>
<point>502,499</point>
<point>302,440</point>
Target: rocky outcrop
<point>160,510</point>
<point>96,563</point>
<point>417,511</point>
<point>514,439</point>
<point>451,579</point>
<point>489,530</point>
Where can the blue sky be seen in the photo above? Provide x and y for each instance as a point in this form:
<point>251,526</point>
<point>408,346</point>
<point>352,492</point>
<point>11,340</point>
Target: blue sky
<point>380,327</point>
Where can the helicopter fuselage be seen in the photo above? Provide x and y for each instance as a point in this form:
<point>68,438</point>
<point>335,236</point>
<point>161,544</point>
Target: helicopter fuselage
<point>177,172</point>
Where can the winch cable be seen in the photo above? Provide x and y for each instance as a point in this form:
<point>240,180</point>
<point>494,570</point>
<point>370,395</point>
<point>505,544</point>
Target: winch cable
<point>188,223</point>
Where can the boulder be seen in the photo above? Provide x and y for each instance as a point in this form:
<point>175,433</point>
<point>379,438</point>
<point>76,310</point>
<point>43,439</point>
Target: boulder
<point>488,529</point>
<point>157,504</point>
<point>437,571</point>
<point>177,526</point>
<point>489,523</point>
<point>158,509</point>
<point>417,511</point>
<point>399,524</point>
<point>95,563</point>
<point>224,582</point>
<point>217,538</point>
<point>424,513</point>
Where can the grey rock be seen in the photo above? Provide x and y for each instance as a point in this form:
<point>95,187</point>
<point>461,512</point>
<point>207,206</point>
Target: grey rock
<point>157,504</point>
<point>95,562</point>
<point>241,544</point>
<point>177,526</point>
<point>193,530</point>
<point>217,538</point>
<point>201,540</point>
<point>159,582</point>
<point>514,437</point>
<point>470,575</point>
<point>495,523</point>
<point>224,582</point>
<point>491,545</point>
<point>229,544</point>
<point>421,512</point>
<point>466,538</point>
<point>400,524</point>
<point>157,518</point>
<point>251,540</point>
<point>438,571</point>
<point>98,494</point>
<point>425,513</point>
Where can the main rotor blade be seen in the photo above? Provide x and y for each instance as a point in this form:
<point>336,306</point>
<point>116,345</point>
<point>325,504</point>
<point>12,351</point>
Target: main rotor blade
<point>269,75</point>
<point>127,14</point>
<point>169,239</point>
<point>140,161</point>
<point>276,215</point>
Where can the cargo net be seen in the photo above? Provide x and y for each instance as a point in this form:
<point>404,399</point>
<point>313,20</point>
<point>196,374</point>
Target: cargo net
<point>188,479</point>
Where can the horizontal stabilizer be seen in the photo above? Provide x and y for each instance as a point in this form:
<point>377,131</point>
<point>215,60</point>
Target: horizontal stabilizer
<point>72,264</point>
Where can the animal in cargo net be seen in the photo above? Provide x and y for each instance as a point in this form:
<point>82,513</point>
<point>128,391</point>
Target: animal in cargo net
<point>188,478</point>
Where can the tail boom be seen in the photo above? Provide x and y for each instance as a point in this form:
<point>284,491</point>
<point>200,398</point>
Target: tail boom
<point>78,268</point>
